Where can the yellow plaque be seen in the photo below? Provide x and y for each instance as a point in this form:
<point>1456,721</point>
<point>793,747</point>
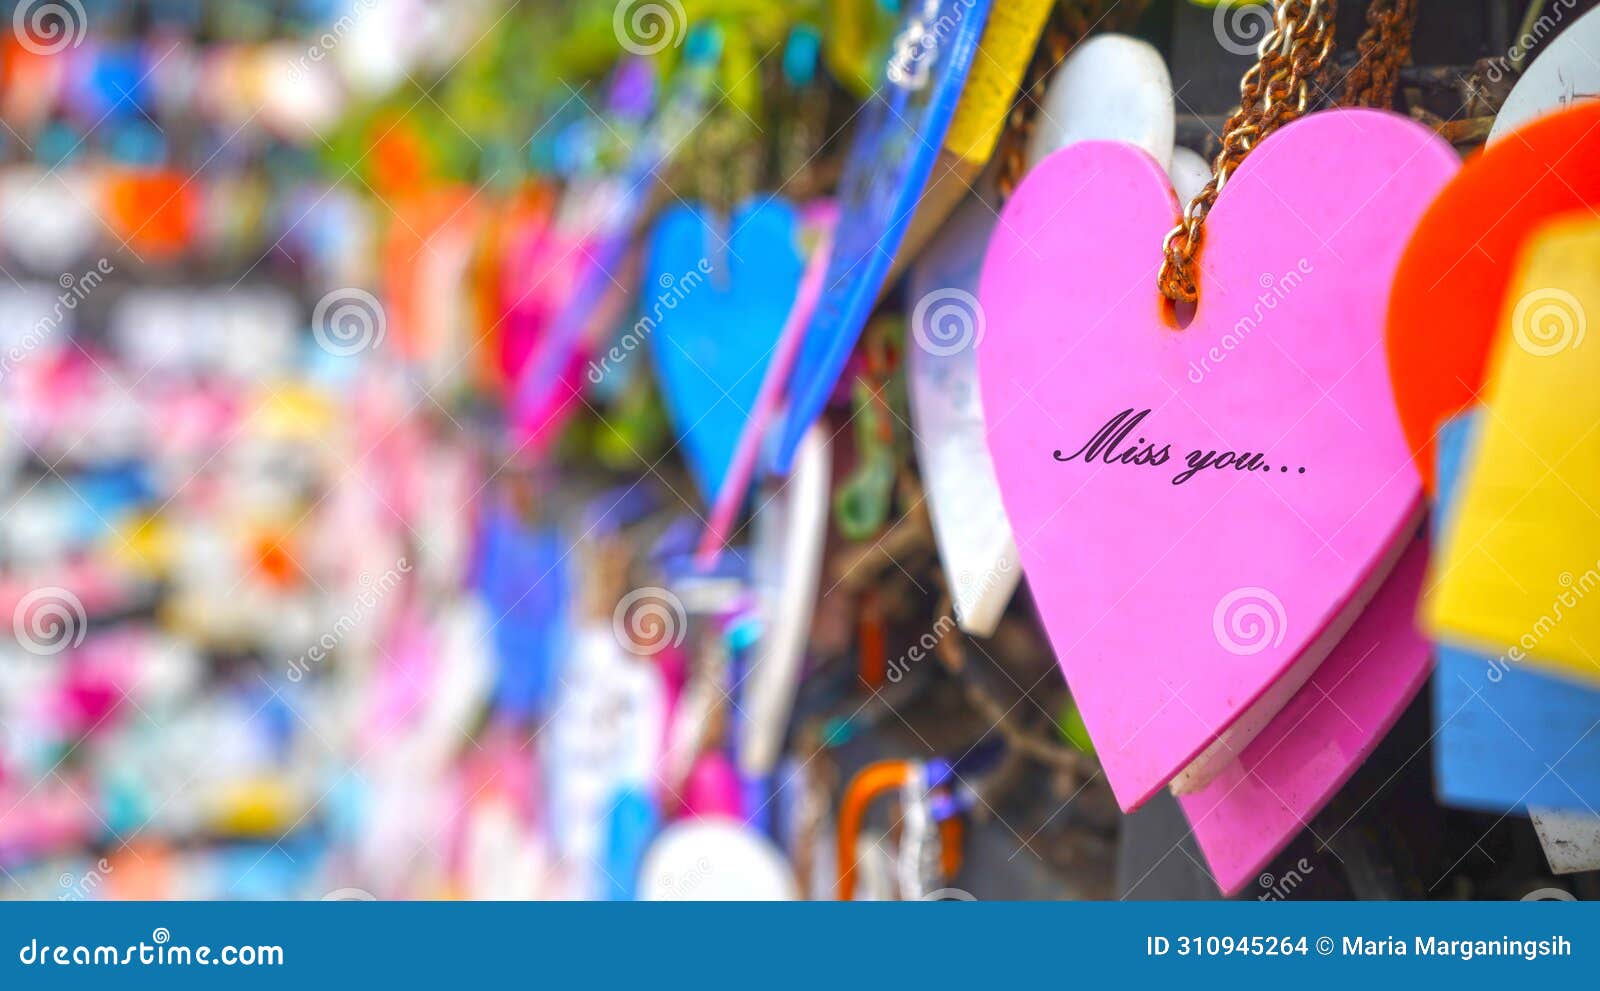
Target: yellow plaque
<point>1003,54</point>
<point>1518,575</point>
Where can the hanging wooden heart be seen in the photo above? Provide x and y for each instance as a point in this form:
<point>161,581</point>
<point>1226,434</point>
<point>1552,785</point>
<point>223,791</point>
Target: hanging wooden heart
<point>1450,288</point>
<point>1201,513</point>
<point>722,292</point>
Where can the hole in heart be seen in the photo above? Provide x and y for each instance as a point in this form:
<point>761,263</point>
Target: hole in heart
<point>1177,315</point>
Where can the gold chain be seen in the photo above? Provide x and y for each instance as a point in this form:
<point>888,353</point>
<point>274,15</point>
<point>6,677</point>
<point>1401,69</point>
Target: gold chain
<point>1275,91</point>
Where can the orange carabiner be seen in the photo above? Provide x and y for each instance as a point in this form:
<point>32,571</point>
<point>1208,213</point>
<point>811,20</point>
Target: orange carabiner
<point>869,783</point>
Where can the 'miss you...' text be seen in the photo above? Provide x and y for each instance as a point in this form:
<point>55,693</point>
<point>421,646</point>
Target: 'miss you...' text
<point>1111,445</point>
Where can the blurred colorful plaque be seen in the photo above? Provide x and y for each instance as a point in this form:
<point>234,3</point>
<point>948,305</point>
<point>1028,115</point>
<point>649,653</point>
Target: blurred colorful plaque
<point>898,136</point>
<point>1510,739</point>
<point>1520,566</point>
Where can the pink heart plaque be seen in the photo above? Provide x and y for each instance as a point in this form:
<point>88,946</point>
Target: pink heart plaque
<point>1201,513</point>
<point>1261,801</point>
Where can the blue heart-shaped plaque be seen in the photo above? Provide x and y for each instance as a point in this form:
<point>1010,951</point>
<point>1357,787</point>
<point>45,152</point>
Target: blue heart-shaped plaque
<point>716,298</point>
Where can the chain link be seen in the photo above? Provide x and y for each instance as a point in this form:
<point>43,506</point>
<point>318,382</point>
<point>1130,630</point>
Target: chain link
<point>1275,91</point>
<point>1380,52</point>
